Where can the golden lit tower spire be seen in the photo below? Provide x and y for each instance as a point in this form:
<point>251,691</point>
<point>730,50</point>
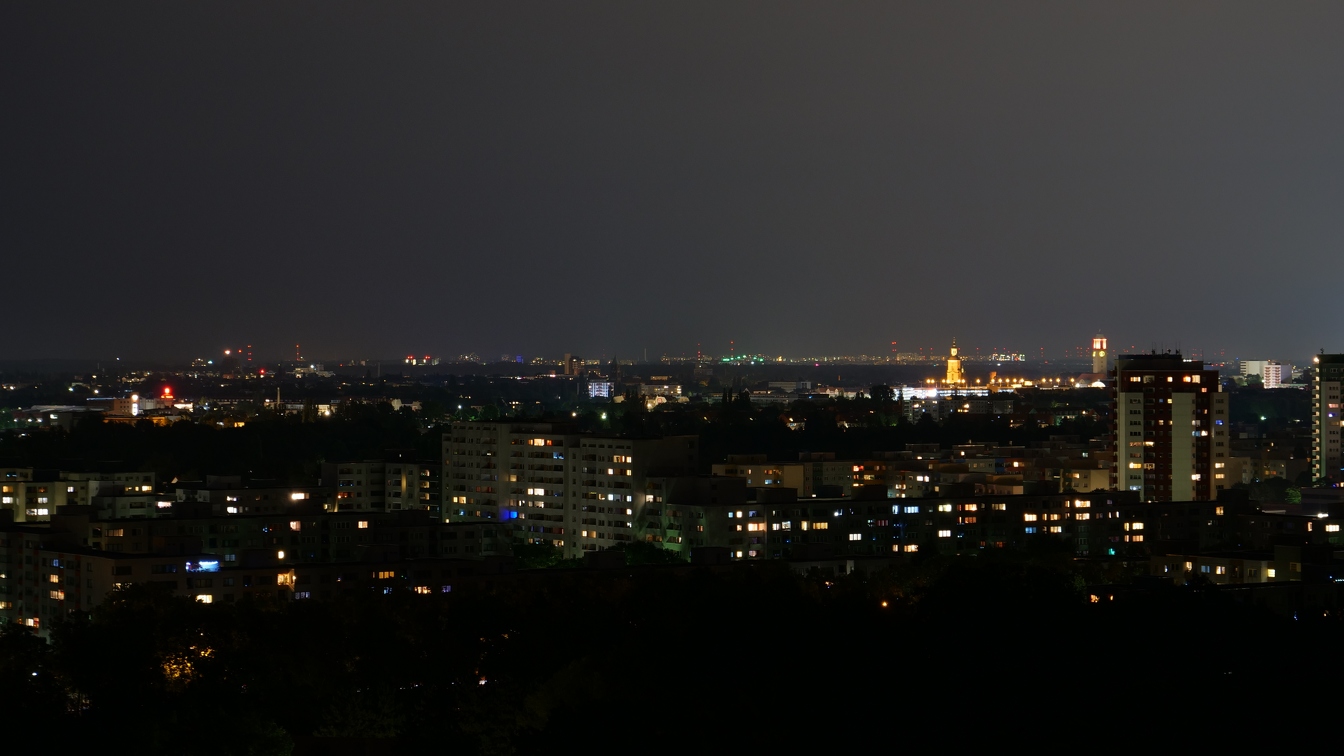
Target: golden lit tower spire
<point>954,375</point>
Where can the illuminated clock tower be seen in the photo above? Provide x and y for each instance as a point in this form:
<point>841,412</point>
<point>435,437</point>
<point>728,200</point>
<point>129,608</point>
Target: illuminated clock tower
<point>1099,354</point>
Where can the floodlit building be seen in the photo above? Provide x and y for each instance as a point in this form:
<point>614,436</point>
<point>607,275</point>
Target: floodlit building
<point>954,372</point>
<point>1272,374</point>
<point>1099,354</point>
<point>1170,428</point>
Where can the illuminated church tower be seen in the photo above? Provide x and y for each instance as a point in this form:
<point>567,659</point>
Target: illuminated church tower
<point>954,375</point>
<point>1099,354</point>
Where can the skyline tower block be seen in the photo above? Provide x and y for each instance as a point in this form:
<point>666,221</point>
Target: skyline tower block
<point>1169,427</point>
<point>1327,453</point>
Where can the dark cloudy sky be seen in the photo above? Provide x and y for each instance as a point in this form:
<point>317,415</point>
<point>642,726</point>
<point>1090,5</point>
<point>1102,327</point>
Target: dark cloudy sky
<point>382,177</point>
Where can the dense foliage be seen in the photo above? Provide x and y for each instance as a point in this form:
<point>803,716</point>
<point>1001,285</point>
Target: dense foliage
<point>659,658</point>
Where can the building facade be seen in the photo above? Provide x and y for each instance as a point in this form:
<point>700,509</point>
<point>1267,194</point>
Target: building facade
<point>1326,422</point>
<point>1170,428</point>
<point>577,492</point>
<point>377,486</point>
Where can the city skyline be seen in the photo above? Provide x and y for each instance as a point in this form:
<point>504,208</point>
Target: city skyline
<point>275,351</point>
<point>530,377</point>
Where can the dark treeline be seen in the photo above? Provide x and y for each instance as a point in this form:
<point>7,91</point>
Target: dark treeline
<point>654,659</point>
<point>286,450</point>
<point>290,450</point>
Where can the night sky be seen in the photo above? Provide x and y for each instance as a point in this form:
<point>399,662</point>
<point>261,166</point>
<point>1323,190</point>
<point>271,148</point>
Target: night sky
<point>376,178</point>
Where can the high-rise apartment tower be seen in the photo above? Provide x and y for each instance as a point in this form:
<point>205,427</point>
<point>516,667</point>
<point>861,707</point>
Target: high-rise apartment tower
<point>1170,428</point>
<point>1327,458</point>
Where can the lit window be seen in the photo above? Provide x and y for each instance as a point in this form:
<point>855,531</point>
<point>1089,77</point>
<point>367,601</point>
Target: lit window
<point>1220,570</point>
<point>205,598</point>
<point>944,534</point>
<point>856,536</point>
<point>57,595</point>
<point>1029,517</point>
<point>1270,572</point>
<point>363,524</point>
<point>944,507</point>
<point>295,525</point>
<point>1332,528</point>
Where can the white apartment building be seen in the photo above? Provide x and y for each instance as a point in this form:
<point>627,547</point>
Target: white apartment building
<point>574,491</point>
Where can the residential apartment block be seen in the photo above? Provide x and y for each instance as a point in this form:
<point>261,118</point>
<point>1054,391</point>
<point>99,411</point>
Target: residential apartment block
<point>384,486</point>
<point>577,492</point>
<point>34,495</point>
<point>1327,418</point>
<point>1170,428</point>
